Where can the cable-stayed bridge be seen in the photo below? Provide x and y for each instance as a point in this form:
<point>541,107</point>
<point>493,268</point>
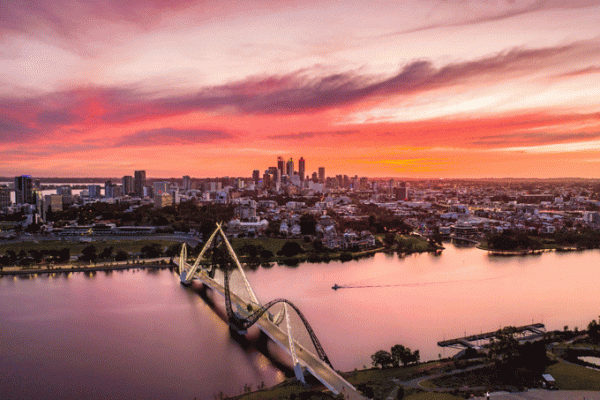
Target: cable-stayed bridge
<point>279,319</point>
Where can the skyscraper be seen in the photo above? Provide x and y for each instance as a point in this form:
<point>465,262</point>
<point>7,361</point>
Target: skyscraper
<point>256,176</point>
<point>302,169</point>
<point>281,165</point>
<point>139,182</point>
<point>186,183</point>
<point>127,184</point>
<point>290,167</point>
<point>322,174</point>
<point>24,190</point>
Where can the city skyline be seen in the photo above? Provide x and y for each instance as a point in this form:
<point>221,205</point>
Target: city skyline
<point>418,89</point>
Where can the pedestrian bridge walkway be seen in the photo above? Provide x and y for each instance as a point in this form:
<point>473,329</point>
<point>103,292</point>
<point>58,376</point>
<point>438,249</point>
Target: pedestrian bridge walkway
<point>279,319</point>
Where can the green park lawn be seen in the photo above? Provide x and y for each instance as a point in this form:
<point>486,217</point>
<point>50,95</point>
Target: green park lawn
<point>574,377</point>
<point>130,246</point>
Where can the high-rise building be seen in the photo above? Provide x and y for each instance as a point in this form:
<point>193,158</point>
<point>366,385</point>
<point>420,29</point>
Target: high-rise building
<point>256,176</point>
<point>64,189</point>
<point>290,167</point>
<point>94,191</point>
<point>186,183</point>
<point>139,182</point>
<point>161,187</point>
<point>401,192</point>
<point>127,184</point>
<point>322,174</point>
<point>281,165</point>
<point>5,196</point>
<point>24,190</point>
<point>302,169</point>
<point>276,175</point>
<point>108,189</point>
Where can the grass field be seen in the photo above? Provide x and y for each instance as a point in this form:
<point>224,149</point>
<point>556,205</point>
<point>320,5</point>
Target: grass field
<point>130,246</point>
<point>271,244</point>
<point>574,377</point>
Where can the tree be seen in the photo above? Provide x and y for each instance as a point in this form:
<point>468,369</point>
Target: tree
<point>121,256</point>
<point>504,350</point>
<point>382,358</point>
<point>88,254</point>
<point>106,253</point>
<point>173,250</point>
<point>308,224</point>
<point>290,249</point>
<point>152,250</point>
<point>594,331</point>
<point>404,355</point>
<point>64,255</point>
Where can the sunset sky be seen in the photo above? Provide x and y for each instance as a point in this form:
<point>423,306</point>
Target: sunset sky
<point>417,88</point>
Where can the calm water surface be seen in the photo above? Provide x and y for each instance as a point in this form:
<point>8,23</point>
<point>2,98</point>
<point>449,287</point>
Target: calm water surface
<point>140,334</point>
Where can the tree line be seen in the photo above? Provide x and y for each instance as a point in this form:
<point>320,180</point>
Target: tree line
<point>397,355</point>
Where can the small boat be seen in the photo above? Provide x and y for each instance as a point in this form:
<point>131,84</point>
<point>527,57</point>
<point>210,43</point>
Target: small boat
<point>336,287</point>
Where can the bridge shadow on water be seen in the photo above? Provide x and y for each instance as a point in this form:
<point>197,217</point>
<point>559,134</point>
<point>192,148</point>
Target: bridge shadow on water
<point>253,341</point>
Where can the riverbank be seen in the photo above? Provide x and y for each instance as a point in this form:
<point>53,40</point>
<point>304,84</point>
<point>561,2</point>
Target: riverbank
<point>156,263</point>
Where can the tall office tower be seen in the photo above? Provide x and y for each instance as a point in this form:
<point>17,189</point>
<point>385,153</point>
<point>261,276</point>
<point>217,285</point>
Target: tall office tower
<point>322,174</point>
<point>275,172</point>
<point>5,196</point>
<point>108,189</point>
<point>256,176</point>
<point>290,167</point>
<point>186,183</point>
<point>94,191</point>
<point>127,184</point>
<point>315,177</point>
<point>139,182</point>
<point>266,180</point>
<point>302,169</point>
<point>390,186</point>
<point>160,187</point>
<point>24,190</point>
<point>281,165</point>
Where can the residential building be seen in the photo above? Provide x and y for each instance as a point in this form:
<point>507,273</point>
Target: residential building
<point>163,200</point>
<point>5,200</point>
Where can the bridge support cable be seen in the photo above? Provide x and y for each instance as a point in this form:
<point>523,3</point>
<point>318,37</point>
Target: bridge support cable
<point>297,367</point>
<point>242,324</point>
<point>190,274</point>
<point>241,321</point>
<point>182,260</point>
<point>239,266</point>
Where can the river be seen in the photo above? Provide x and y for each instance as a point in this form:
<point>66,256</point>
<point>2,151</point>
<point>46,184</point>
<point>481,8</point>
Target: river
<point>139,334</point>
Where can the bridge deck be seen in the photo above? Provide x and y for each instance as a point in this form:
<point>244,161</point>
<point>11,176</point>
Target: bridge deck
<point>320,370</point>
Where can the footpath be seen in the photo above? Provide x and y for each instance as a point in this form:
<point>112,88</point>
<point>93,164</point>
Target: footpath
<point>160,262</point>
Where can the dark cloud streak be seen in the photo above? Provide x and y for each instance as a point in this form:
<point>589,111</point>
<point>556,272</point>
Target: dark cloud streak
<point>171,136</point>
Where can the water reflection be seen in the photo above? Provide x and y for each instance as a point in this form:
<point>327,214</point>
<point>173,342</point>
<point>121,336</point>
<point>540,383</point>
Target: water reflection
<point>144,336</point>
